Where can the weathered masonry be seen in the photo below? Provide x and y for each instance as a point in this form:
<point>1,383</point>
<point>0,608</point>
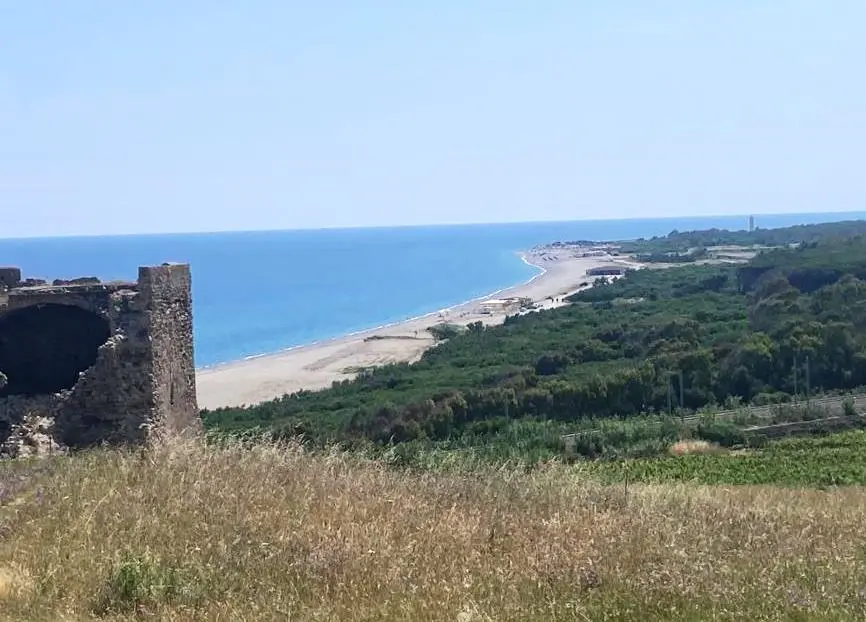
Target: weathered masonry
<point>87,362</point>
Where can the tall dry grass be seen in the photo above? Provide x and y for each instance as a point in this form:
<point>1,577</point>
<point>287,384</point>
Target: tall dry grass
<point>181,531</point>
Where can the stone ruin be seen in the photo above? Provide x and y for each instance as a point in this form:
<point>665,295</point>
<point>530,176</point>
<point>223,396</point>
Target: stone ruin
<point>87,362</point>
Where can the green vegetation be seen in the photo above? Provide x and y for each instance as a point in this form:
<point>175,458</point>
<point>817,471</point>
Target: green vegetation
<point>833,460</point>
<point>680,243</point>
<point>673,257</point>
<point>790,321</point>
<point>811,267</point>
<point>444,331</point>
<point>138,582</point>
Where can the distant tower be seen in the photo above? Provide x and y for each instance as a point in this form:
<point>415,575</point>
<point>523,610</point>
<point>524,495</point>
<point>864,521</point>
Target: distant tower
<point>751,223</point>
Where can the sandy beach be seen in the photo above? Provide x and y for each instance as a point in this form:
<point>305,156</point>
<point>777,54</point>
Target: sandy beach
<point>318,365</point>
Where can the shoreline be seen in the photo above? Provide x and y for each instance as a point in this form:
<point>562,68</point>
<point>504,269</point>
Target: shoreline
<point>386,326</point>
<point>316,365</point>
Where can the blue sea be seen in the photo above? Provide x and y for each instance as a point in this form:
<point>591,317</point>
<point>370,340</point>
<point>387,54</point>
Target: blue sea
<point>262,292</point>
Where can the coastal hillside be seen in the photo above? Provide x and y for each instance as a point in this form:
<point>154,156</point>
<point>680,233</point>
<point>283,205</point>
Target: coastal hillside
<point>184,531</point>
<point>787,324</point>
<point>446,489</point>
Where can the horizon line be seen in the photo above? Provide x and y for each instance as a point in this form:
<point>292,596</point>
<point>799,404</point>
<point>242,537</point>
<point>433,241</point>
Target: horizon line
<point>422,226</point>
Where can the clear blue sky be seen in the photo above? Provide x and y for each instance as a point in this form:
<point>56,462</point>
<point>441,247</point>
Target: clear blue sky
<point>184,115</point>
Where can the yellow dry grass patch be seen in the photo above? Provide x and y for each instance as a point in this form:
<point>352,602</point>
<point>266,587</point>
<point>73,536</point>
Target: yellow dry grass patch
<point>14,583</point>
<point>182,531</point>
<point>682,448</point>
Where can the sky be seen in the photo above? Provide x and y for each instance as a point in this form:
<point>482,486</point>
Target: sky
<point>210,115</point>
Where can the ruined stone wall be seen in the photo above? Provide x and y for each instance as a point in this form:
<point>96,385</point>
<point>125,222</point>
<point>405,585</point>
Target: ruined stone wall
<point>112,360</point>
<point>166,293</point>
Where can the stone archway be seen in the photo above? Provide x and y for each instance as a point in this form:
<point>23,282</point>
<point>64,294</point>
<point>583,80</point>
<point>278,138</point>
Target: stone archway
<point>44,348</point>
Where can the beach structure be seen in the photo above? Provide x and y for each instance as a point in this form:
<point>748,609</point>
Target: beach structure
<point>499,305</point>
<point>85,362</point>
<point>607,270</point>
<point>489,307</point>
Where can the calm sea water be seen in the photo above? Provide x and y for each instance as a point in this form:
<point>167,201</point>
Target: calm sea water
<point>262,292</point>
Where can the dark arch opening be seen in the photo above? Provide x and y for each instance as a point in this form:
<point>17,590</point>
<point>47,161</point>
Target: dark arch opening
<point>44,348</point>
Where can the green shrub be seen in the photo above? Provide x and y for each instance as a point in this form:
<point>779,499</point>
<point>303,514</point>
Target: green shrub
<point>768,399</point>
<point>724,433</point>
<point>444,331</point>
<point>138,581</point>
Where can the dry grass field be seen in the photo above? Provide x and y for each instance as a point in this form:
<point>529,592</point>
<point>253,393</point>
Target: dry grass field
<point>181,531</point>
